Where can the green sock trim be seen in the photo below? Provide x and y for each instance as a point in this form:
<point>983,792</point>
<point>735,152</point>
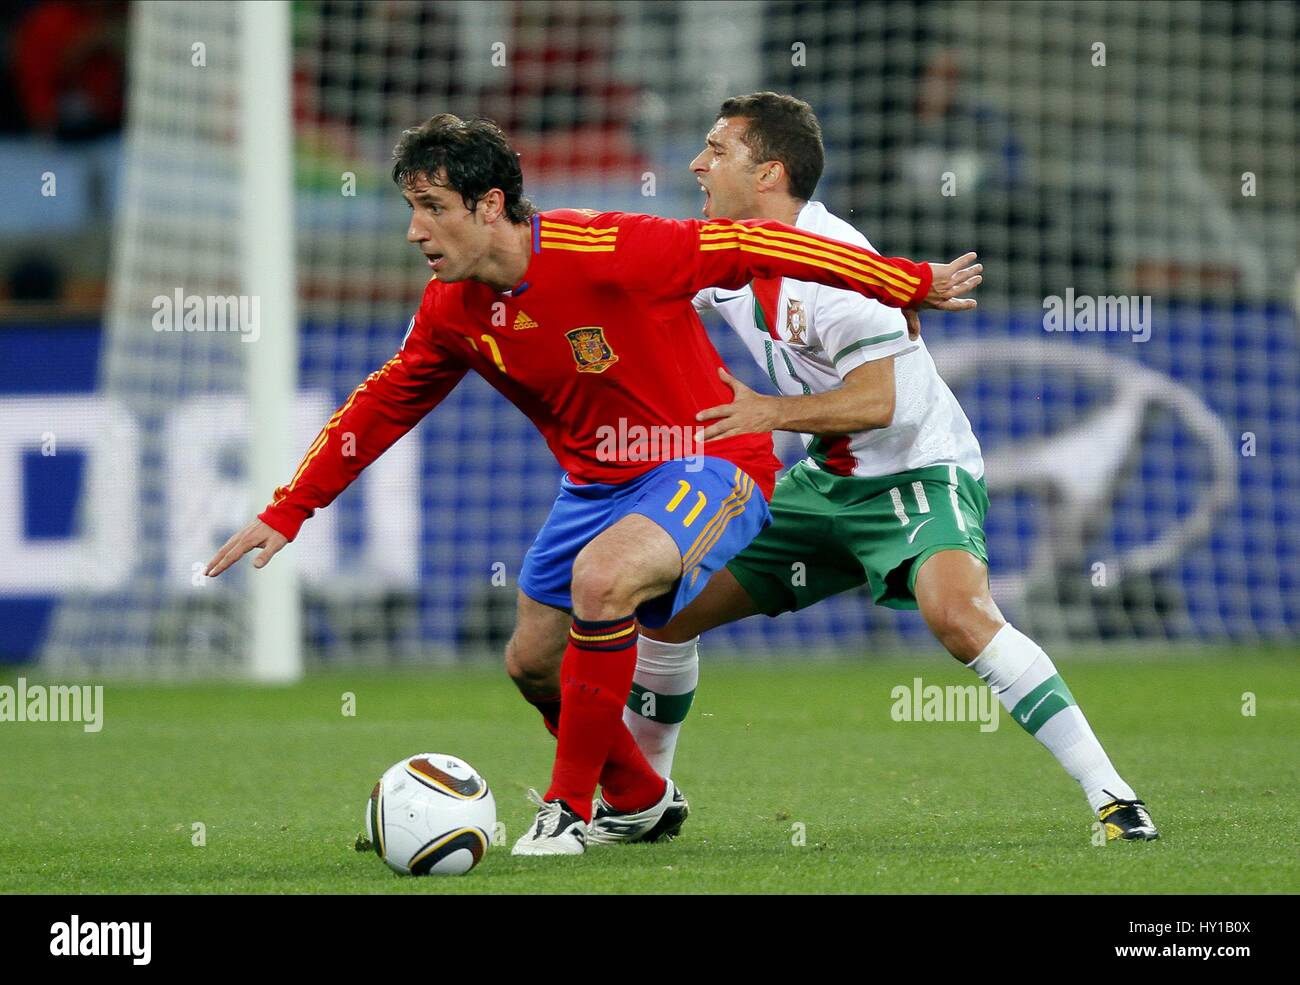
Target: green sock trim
<point>667,709</point>
<point>1035,708</point>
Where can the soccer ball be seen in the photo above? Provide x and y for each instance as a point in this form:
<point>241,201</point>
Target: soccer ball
<point>431,814</point>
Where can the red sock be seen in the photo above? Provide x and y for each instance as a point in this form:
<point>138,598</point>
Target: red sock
<point>550,710</point>
<point>628,781</point>
<point>596,676</point>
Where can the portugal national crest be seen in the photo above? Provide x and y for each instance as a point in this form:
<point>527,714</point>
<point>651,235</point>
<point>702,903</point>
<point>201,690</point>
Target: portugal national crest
<point>795,321</point>
<point>590,350</point>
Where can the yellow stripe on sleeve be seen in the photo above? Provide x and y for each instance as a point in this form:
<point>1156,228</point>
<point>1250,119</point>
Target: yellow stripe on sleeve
<point>589,230</point>
<point>901,285</point>
<point>547,245</point>
<point>575,237</point>
<point>836,268</point>
<point>849,252</point>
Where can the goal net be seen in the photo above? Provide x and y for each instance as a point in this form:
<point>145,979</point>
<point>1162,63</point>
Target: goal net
<point>1126,171</point>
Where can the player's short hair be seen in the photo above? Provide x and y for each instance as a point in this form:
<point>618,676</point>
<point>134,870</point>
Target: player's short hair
<point>782,128</point>
<point>475,156</point>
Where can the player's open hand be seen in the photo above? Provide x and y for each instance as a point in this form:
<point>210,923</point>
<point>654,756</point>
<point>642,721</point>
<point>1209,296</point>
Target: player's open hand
<point>256,534</point>
<point>951,281</point>
<point>748,412</point>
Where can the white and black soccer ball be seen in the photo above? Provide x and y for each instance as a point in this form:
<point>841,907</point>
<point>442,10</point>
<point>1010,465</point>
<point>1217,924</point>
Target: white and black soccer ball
<point>431,814</point>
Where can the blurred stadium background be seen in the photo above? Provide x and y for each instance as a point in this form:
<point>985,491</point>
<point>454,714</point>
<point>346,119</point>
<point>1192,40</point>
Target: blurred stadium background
<point>1141,491</point>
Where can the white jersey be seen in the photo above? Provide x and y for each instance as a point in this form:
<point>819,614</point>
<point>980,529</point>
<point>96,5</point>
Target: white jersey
<point>808,337</point>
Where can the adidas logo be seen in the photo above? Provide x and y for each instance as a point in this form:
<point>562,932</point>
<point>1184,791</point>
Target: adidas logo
<point>522,321</point>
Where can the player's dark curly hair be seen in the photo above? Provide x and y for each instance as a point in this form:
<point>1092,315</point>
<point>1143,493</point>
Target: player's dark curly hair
<point>475,156</point>
<point>782,128</point>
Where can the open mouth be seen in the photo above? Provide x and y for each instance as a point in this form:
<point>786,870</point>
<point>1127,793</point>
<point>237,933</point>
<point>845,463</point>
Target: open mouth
<point>708,198</point>
<point>435,260</point>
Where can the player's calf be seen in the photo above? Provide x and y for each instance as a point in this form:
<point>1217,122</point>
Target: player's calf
<point>536,648</point>
<point>533,676</point>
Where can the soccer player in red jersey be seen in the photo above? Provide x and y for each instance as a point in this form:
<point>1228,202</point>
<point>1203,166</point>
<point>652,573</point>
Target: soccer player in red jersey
<point>584,321</point>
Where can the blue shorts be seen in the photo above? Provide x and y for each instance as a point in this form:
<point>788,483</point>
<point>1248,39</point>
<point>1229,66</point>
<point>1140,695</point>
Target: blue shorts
<point>709,507</point>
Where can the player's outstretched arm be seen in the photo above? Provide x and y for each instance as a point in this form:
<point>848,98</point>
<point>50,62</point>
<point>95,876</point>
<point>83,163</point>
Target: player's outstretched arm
<point>679,257</point>
<point>256,534</point>
<point>390,402</point>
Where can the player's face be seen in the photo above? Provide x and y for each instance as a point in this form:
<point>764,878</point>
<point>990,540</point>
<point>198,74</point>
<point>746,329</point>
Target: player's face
<point>452,238</point>
<point>726,172</point>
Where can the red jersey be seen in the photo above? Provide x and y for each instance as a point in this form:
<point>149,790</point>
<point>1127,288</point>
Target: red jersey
<point>598,345</point>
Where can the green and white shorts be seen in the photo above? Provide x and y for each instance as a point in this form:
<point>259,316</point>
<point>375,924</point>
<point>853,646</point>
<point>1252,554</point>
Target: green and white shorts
<point>830,533</point>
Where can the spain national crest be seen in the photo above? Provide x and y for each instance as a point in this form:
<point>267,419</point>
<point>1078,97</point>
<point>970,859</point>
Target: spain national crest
<point>590,350</point>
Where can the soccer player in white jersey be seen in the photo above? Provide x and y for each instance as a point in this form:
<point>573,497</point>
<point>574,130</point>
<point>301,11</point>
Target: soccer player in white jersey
<point>891,495</point>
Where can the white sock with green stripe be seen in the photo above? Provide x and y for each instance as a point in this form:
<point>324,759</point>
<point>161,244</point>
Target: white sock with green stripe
<point>662,691</point>
<point>1026,682</point>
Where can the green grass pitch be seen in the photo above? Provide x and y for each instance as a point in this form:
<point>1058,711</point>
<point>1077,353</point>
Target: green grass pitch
<point>279,778</point>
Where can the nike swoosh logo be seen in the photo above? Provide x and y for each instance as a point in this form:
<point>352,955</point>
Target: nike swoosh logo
<point>918,529</point>
<point>1030,713</point>
<point>718,300</point>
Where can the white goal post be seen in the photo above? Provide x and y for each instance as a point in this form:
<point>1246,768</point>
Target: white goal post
<point>269,274</point>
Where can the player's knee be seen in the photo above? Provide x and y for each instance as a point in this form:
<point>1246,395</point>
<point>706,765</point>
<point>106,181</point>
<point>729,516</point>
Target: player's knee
<point>962,625</point>
<point>597,589</point>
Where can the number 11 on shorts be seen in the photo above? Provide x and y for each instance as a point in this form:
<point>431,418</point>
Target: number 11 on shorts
<point>683,489</point>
